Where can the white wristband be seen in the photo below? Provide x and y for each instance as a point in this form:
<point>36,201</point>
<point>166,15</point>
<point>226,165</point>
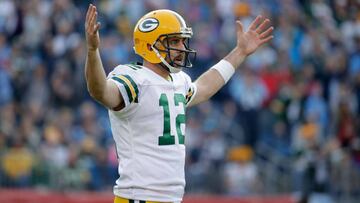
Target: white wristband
<point>225,68</point>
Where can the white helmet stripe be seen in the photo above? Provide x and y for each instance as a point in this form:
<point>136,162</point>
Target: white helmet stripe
<point>181,19</point>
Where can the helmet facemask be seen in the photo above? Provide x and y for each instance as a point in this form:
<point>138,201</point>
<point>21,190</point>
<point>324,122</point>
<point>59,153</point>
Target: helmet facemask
<point>162,45</point>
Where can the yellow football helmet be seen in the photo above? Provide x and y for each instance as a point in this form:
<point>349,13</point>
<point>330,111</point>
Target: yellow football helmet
<point>150,38</point>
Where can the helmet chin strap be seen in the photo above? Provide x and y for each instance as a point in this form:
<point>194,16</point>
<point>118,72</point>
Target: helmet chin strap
<point>171,68</point>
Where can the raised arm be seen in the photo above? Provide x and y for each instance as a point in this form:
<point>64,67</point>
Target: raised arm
<point>103,90</point>
<point>248,42</point>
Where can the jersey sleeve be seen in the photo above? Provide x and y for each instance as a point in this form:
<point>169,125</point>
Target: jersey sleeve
<point>126,81</point>
<point>190,89</point>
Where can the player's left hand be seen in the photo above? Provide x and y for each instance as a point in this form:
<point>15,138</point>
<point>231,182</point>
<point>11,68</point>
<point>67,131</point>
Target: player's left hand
<point>257,34</point>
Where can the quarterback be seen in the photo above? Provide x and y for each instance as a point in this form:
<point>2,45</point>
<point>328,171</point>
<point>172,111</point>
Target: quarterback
<point>147,101</point>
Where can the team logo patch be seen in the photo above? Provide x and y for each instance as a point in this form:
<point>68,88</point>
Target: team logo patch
<point>148,24</point>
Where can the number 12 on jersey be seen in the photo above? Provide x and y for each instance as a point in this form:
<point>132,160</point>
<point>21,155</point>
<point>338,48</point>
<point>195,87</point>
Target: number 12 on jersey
<point>167,138</point>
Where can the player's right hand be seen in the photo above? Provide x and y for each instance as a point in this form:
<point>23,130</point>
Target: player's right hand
<point>92,28</point>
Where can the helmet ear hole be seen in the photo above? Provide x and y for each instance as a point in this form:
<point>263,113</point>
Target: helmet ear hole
<point>149,47</point>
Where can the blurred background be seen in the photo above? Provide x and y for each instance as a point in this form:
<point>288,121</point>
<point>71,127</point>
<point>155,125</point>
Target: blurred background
<point>287,123</point>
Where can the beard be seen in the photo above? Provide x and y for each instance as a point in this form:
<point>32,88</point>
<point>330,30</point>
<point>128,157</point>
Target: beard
<point>176,60</point>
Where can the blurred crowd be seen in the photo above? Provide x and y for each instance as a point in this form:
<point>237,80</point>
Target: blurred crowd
<point>287,122</point>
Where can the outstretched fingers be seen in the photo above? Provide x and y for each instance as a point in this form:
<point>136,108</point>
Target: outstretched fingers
<point>92,21</point>
<point>265,40</point>
<point>261,27</point>
<point>92,24</point>
<point>267,32</point>
<point>88,13</point>
<point>254,24</point>
<point>264,24</point>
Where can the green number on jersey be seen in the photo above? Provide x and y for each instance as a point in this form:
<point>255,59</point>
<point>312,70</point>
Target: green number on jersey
<point>180,118</point>
<point>167,138</point>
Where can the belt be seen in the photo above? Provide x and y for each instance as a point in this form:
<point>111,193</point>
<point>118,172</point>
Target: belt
<point>123,200</point>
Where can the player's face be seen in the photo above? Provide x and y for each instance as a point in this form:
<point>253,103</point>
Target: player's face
<point>177,56</point>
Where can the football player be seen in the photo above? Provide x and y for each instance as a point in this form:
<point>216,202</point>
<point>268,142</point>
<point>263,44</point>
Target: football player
<point>147,102</point>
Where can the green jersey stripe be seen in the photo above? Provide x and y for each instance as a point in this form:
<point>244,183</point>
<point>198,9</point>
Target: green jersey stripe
<point>135,87</point>
<point>133,66</point>
<point>127,88</point>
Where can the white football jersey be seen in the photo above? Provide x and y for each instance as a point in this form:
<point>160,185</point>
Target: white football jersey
<point>149,133</point>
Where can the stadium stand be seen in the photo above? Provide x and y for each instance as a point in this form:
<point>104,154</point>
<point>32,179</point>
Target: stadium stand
<point>288,123</point>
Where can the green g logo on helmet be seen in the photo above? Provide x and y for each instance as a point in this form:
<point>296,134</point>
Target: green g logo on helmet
<point>148,25</point>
